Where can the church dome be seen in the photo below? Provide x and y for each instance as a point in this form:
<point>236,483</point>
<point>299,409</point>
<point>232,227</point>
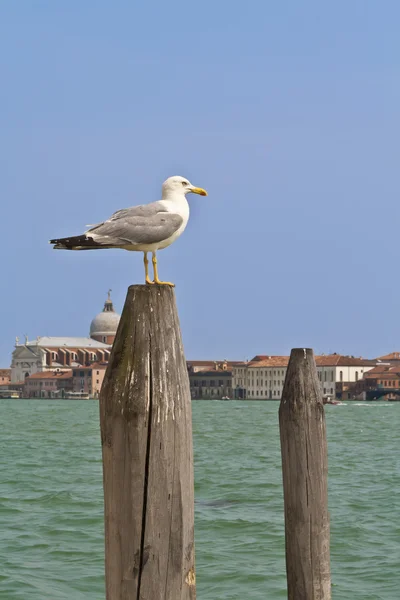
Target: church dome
<point>106,322</point>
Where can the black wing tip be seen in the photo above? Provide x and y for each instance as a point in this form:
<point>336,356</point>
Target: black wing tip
<point>59,244</point>
<point>78,242</point>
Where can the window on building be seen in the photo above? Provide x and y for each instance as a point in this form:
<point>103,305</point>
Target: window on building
<point>97,372</point>
<point>97,381</point>
<point>331,376</point>
<point>341,376</point>
<point>82,374</point>
<point>356,375</point>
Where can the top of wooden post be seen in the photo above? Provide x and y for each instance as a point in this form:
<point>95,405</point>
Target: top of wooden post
<point>301,385</point>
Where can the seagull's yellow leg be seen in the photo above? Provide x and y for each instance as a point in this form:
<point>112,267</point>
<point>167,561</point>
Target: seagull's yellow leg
<point>146,268</point>
<point>156,279</point>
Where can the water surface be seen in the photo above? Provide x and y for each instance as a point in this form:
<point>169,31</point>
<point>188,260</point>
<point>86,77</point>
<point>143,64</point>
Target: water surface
<point>51,511</point>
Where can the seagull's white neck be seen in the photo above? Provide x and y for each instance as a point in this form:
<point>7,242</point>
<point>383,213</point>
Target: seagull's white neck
<point>173,195</point>
<point>176,203</point>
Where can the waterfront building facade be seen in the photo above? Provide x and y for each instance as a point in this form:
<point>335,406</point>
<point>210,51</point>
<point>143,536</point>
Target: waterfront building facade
<point>5,376</point>
<point>210,379</point>
<point>61,354</point>
<point>88,380</point>
<point>48,384</point>
<point>383,381</point>
<point>262,377</point>
<point>338,373</point>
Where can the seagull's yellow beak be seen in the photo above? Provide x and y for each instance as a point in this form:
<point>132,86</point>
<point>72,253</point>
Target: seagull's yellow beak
<point>199,191</point>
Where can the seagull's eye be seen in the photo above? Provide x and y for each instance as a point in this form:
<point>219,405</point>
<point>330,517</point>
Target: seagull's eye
<point>184,182</point>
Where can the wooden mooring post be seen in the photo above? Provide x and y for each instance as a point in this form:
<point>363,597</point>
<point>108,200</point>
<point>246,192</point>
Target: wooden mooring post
<point>146,431</point>
<point>305,480</point>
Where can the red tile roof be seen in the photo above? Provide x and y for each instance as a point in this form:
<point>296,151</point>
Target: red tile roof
<point>324,360</point>
<point>207,363</point>
<point>50,375</point>
<point>268,361</point>
<point>338,360</point>
<point>391,356</point>
<point>386,371</point>
<point>91,367</point>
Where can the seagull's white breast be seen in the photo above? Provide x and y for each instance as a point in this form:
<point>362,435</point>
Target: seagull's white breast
<point>178,206</point>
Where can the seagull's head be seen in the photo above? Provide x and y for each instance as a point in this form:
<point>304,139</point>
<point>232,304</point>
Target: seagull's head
<point>180,186</point>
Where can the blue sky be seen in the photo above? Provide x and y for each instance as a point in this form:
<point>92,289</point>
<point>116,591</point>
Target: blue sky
<point>287,112</point>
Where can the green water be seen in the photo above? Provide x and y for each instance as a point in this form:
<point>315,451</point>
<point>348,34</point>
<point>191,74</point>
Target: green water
<point>51,522</point>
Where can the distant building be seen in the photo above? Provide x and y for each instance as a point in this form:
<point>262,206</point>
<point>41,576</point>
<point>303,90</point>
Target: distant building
<point>61,354</point>
<point>5,376</point>
<point>210,379</point>
<point>338,373</point>
<point>200,365</point>
<point>104,326</point>
<point>383,382</point>
<point>5,384</point>
<point>263,377</point>
<point>88,380</point>
<point>60,384</point>
<point>48,384</point>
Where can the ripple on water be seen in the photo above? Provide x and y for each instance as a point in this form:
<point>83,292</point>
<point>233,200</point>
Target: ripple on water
<point>51,511</point>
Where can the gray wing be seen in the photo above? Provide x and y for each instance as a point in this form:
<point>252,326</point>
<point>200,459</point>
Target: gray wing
<point>144,224</point>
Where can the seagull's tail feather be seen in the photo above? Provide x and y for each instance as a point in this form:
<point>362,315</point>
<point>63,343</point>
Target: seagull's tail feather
<point>78,242</point>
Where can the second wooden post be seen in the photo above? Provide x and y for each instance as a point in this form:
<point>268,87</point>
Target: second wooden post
<point>146,430</point>
<point>305,480</point>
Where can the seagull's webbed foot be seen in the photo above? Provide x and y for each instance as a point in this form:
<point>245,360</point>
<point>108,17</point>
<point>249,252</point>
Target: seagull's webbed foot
<point>158,282</point>
<point>156,278</point>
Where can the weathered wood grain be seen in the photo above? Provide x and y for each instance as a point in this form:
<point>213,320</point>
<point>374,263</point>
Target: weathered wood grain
<point>146,431</point>
<point>305,473</point>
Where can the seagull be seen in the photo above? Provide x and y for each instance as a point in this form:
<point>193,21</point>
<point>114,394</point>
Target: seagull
<point>144,228</point>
